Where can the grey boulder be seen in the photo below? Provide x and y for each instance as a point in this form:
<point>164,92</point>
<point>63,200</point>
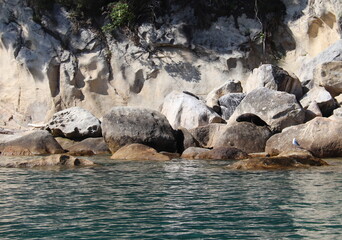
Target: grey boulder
<point>126,125</point>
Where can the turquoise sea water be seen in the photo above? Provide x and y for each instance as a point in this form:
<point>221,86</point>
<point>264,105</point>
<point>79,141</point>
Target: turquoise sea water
<point>179,199</point>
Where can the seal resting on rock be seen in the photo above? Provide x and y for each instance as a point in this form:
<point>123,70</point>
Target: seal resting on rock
<point>250,117</point>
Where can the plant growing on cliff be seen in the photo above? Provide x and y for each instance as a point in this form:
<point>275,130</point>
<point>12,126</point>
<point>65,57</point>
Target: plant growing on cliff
<point>120,14</point>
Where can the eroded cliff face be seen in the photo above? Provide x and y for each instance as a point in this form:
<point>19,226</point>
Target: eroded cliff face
<point>56,63</point>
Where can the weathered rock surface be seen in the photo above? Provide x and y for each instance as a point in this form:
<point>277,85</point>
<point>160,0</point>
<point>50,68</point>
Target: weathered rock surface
<point>278,109</point>
<point>274,78</point>
<point>126,125</point>
<point>329,76</point>
<point>138,151</point>
<point>229,102</point>
<point>243,135</point>
<point>74,123</point>
<point>57,160</point>
<point>89,146</point>
<point>193,152</point>
<point>205,135</point>
<point>322,98</point>
<point>330,54</point>
<point>223,153</point>
<point>184,110</point>
<point>31,143</point>
<point>214,96</point>
<point>278,163</point>
<point>320,136</point>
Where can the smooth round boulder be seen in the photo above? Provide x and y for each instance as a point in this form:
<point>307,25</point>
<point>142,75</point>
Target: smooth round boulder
<point>89,146</point>
<point>74,123</point>
<point>137,151</point>
<point>243,135</point>
<point>223,153</point>
<point>31,143</point>
<point>126,125</point>
<point>193,152</point>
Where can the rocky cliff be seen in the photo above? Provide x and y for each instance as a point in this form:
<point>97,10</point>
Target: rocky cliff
<point>56,62</point>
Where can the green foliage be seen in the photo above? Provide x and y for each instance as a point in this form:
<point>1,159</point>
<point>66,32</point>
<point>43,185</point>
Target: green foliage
<point>120,15</point>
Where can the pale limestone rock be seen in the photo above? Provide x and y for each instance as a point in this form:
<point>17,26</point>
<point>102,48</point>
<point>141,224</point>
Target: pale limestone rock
<point>329,76</point>
<point>278,109</point>
<point>184,110</point>
<point>322,97</point>
<point>274,78</point>
<point>229,87</point>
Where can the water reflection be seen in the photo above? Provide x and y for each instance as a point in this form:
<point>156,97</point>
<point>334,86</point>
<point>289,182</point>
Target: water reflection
<point>169,200</point>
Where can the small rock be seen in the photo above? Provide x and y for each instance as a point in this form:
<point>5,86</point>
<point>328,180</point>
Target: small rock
<point>193,152</point>
<point>223,153</point>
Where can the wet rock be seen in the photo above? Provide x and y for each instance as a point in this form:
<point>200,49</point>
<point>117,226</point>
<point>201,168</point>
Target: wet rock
<point>32,143</point>
<point>125,125</point>
<point>278,163</point>
<point>223,153</point>
<point>278,109</point>
<point>193,152</point>
<point>138,151</point>
<point>59,160</point>
<point>243,135</point>
<point>74,123</point>
<point>184,110</point>
<point>274,78</point>
<point>321,136</point>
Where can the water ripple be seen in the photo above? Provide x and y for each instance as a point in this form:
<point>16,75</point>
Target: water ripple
<point>170,200</point>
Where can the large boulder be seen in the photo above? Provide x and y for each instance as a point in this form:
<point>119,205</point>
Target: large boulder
<point>278,109</point>
<point>243,135</point>
<point>321,136</point>
<point>57,160</point>
<point>214,96</point>
<point>229,102</point>
<point>126,125</point>
<point>74,123</point>
<point>321,97</point>
<point>32,143</point>
<point>187,111</point>
<point>137,151</point>
<point>329,76</point>
<point>274,78</point>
